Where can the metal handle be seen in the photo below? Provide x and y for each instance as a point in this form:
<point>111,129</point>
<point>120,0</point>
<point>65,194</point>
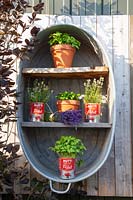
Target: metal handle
<point>63,19</point>
<point>59,191</point>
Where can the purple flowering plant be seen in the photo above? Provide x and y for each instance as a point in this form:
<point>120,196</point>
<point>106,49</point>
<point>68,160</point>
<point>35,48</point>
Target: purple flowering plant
<point>71,117</point>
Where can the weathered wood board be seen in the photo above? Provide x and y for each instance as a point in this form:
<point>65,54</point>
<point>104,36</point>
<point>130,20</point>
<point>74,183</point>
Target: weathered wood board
<point>86,7</point>
<point>115,177</point>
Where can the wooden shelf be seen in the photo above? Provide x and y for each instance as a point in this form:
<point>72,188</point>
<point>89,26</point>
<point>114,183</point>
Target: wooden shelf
<point>58,125</point>
<point>78,72</point>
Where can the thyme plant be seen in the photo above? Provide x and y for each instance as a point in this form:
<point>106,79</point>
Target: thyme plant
<point>93,90</point>
<point>39,92</point>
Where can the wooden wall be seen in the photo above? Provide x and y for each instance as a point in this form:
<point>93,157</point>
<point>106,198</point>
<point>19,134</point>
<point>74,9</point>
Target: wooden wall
<point>131,74</point>
<point>116,35</point>
<point>86,7</point>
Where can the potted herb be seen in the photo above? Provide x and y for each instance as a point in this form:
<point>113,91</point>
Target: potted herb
<point>67,100</point>
<point>93,99</point>
<point>63,48</point>
<point>68,149</point>
<point>38,95</point>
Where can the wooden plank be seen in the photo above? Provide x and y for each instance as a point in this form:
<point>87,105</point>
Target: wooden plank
<point>106,7</point>
<point>58,7</point>
<point>92,185</point>
<point>99,7</point>
<point>106,42</point>
<point>21,162</point>
<point>90,7</point>
<point>113,198</point>
<point>88,23</point>
<point>66,7</point>
<point>46,7</point>
<point>107,31</point>
<point>82,7</point>
<point>51,7</point>
<point>130,7</point>
<point>131,72</point>
<point>106,184</point>
<point>123,123</point>
<point>29,10</point>
<point>122,7</point>
<point>78,72</point>
<point>58,124</point>
<point>114,7</point>
<point>75,7</point>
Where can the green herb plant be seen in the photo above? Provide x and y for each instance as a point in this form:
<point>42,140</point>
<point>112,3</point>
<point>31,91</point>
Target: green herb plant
<point>68,146</point>
<point>63,38</point>
<point>39,92</point>
<point>93,90</point>
<point>68,95</point>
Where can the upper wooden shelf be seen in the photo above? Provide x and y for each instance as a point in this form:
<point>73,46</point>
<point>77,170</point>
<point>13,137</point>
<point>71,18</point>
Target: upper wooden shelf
<point>78,72</point>
<point>59,124</point>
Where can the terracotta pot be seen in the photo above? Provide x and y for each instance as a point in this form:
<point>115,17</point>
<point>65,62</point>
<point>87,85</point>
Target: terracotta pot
<point>64,105</point>
<point>62,55</point>
<point>92,112</point>
<point>67,168</point>
<point>37,111</point>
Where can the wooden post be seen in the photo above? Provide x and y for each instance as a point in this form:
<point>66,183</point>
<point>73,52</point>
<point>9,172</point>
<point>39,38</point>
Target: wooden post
<point>106,184</point>
<point>131,71</point>
<point>123,154</point>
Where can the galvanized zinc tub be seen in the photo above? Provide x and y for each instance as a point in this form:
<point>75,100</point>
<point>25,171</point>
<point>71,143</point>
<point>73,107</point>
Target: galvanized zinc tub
<point>36,139</point>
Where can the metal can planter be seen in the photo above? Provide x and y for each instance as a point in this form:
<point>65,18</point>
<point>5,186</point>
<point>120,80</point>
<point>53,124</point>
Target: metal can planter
<point>36,112</point>
<point>92,112</point>
<point>67,168</point>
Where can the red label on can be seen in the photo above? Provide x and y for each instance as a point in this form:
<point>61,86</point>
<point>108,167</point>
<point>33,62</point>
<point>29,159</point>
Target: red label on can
<point>92,109</point>
<point>37,108</point>
<point>36,111</point>
<point>66,164</point>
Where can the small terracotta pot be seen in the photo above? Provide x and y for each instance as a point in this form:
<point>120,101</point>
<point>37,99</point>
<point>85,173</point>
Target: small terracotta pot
<point>37,111</point>
<point>64,105</point>
<point>62,55</point>
<point>92,112</point>
<point>67,168</point>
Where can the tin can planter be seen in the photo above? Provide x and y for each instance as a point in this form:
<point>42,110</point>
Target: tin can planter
<point>36,112</point>
<point>67,168</point>
<point>64,105</point>
<point>92,112</point>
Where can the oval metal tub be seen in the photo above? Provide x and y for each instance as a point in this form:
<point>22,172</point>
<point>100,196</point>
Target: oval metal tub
<point>36,138</point>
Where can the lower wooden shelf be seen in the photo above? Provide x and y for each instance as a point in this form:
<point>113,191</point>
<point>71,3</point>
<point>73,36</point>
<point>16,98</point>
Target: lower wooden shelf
<point>59,124</point>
